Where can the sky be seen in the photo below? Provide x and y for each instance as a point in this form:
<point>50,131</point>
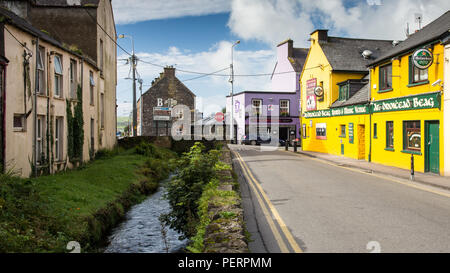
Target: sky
<point>197,35</point>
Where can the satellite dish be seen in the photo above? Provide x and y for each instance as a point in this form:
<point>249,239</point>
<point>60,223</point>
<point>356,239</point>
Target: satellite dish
<point>367,53</point>
<point>318,91</point>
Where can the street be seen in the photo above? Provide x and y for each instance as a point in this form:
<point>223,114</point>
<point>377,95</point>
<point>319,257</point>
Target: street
<point>294,203</point>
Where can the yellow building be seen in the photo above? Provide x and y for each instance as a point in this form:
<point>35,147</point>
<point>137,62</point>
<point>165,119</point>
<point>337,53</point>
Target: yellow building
<point>335,94</point>
<point>406,91</point>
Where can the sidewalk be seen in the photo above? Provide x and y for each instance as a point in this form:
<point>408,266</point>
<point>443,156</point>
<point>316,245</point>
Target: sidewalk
<point>429,179</point>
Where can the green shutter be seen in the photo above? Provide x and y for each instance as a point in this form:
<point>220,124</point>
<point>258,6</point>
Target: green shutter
<point>410,66</point>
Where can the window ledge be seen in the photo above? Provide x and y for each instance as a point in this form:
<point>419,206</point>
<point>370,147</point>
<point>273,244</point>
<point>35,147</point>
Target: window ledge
<point>342,136</point>
<point>58,98</point>
<point>411,152</point>
<point>19,130</point>
<point>42,96</point>
<point>389,149</point>
<point>417,83</point>
<point>385,90</point>
<point>375,137</point>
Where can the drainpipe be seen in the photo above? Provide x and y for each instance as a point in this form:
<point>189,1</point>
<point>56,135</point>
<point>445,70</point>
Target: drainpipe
<point>36,87</point>
<point>81,99</point>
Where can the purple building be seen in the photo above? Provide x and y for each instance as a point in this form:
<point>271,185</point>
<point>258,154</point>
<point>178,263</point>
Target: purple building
<point>285,94</point>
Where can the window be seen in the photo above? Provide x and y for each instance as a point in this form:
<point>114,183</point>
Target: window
<point>257,106</point>
<point>41,71</point>
<point>91,87</point>
<point>59,132</point>
<point>101,55</point>
<point>284,107</point>
<point>92,134</point>
<point>417,75</point>
<point>102,110</point>
<point>386,77</point>
<point>342,131</point>
<point>411,135</point>
<point>40,154</point>
<point>343,92</point>
<point>375,130</point>
<point>73,79</point>
<point>390,134</point>
<point>321,131</point>
<point>18,123</point>
<point>58,76</point>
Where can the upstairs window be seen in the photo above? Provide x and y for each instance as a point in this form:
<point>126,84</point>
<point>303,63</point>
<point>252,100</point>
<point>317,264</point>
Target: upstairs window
<point>41,71</point>
<point>91,87</point>
<point>284,107</point>
<point>417,75</point>
<point>343,92</point>
<point>386,77</point>
<point>257,106</point>
<point>58,76</point>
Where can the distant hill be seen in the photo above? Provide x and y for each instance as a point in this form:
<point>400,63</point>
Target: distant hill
<point>121,123</point>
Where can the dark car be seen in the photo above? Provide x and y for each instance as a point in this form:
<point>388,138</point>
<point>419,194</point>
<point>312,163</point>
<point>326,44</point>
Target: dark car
<point>258,140</point>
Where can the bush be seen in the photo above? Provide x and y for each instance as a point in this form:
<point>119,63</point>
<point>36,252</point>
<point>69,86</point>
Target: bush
<point>196,169</point>
<point>147,149</point>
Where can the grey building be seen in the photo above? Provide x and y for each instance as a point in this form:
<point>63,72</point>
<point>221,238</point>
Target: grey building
<point>166,92</point>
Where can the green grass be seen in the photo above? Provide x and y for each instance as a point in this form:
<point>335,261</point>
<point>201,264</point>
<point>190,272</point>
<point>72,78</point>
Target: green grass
<point>45,213</point>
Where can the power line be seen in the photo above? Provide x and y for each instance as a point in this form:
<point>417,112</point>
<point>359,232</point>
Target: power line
<point>17,40</point>
<point>211,74</point>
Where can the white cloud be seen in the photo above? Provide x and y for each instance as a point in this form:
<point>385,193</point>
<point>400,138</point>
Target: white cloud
<point>211,89</point>
<point>132,11</point>
<point>272,21</point>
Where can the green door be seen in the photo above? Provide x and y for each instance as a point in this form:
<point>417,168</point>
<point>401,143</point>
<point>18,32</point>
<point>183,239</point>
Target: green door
<point>432,147</point>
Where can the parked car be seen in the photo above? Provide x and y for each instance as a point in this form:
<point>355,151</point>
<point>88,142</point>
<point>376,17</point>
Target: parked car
<point>258,140</point>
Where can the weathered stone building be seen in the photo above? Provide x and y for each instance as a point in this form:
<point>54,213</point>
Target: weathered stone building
<point>42,78</point>
<point>166,92</point>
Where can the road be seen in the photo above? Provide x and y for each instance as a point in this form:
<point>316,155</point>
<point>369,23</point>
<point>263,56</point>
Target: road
<point>295,203</point>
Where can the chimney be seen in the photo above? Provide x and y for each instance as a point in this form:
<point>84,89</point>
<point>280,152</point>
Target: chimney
<point>321,35</point>
<point>169,71</point>
<point>290,47</point>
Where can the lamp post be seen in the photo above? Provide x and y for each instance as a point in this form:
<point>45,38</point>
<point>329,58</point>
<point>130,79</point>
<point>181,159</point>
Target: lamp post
<point>232,92</point>
<point>133,64</point>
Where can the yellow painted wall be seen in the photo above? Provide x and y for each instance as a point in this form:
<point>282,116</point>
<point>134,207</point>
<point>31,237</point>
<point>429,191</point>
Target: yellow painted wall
<point>317,66</point>
<point>400,88</point>
<point>332,145</point>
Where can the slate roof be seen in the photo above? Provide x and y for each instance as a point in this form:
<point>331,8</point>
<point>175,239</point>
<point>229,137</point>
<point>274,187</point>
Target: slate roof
<point>438,29</point>
<point>344,54</point>
<point>24,25</point>
<point>64,3</point>
<point>299,58</point>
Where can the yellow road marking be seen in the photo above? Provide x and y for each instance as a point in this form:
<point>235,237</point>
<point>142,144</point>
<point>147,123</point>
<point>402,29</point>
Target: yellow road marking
<point>266,213</point>
<point>379,176</point>
<point>275,213</point>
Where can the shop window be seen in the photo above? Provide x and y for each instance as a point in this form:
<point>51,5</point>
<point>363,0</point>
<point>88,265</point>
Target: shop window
<point>417,75</point>
<point>257,106</point>
<point>386,77</point>
<point>375,130</point>
<point>284,108</point>
<point>411,135</point>
<point>58,76</point>
<point>342,131</point>
<point>321,131</point>
<point>343,92</point>
<point>389,134</point>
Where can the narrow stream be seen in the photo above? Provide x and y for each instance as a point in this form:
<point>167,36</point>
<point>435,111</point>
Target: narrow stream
<point>141,230</point>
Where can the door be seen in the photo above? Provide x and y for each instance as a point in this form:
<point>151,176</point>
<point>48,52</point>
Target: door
<point>361,142</point>
<point>432,146</point>
<point>284,133</point>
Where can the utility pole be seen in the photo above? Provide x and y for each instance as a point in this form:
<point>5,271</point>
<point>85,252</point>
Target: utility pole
<point>232,93</point>
<point>141,105</point>
<point>133,64</point>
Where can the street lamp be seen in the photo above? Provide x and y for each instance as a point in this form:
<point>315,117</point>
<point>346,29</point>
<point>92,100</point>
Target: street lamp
<point>133,64</point>
<point>232,92</point>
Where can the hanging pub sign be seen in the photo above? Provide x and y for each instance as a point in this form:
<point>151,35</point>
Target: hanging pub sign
<point>422,58</point>
<point>310,96</point>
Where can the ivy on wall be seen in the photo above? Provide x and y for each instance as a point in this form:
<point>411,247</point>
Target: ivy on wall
<point>75,128</point>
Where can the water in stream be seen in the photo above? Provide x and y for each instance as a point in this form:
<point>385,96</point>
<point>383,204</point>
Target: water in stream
<point>141,230</point>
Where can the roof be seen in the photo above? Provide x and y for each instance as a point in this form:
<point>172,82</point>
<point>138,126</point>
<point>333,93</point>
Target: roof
<point>299,58</point>
<point>435,30</point>
<point>164,78</point>
<point>265,92</point>
<point>344,54</point>
<point>24,25</point>
<point>65,3</point>
<point>360,97</point>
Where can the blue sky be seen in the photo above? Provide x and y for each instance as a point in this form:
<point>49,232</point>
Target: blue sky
<point>196,35</point>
